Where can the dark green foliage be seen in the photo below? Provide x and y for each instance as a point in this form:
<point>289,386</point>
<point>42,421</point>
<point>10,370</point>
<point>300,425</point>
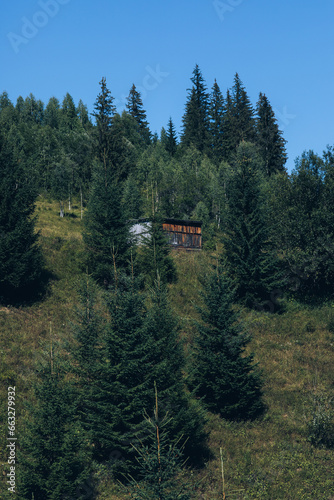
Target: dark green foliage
<point>239,122</point>
<point>167,364</point>
<point>20,256</point>
<point>116,369</point>
<point>32,111</point>
<point>132,201</point>
<point>216,113</point>
<point>269,138</point>
<point>82,113</point>
<point>160,473</point>
<point>171,139</point>
<point>135,109</point>
<point>68,115</point>
<point>153,254</point>
<point>88,368</point>
<point>104,112</point>
<point>106,233</point>
<point>54,458</point>
<point>195,120</point>
<point>226,378</point>
<point>52,113</point>
<point>303,226</point>
<point>250,260</point>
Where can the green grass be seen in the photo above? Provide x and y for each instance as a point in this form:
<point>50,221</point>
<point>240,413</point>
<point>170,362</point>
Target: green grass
<point>267,459</point>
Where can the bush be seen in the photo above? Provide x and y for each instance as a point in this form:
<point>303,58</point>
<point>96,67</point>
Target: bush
<point>321,425</point>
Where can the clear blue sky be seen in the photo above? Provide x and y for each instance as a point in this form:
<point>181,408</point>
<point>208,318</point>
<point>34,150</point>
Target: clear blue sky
<point>283,48</point>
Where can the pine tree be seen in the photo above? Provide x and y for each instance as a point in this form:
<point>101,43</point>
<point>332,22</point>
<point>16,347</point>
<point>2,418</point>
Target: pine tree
<point>154,254</point>
<point>83,115</point>
<point>140,347</point>
<point>135,109</point>
<point>269,138</point>
<point>229,126</point>
<point>20,255</point>
<point>226,378</point>
<point>54,459</point>
<point>161,471</point>
<point>52,113</point>
<point>69,119</point>
<point>104,112</point>
<point>167,363</point>
<point>132,202</point>
<point>243,112</point>
<point>88,366</point>
<point>249,256</point>
<point>171,140</point>
<point>216,113</point>
<point>125,371</point>
<point>196,119</point>
<point>239,122</point>
<point>106,234</point>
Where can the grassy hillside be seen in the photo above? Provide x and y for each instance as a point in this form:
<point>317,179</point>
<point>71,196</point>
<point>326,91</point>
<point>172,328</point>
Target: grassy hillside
<point>268,459</point>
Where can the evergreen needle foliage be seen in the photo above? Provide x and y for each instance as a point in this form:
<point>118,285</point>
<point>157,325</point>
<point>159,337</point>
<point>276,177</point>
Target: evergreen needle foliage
<point>20,256</point>
<point>161,464</point>
<point>250,259</point>
<point>223,375</point>
<point>154,254</point>
<point>54,455</point>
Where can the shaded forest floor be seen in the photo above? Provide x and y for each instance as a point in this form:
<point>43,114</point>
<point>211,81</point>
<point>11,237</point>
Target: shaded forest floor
<point>267,459</point>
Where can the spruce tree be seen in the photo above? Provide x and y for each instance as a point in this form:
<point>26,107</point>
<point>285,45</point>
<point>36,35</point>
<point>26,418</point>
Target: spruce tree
<point>269,138</point>
<point>171,140</point>
<point>87,366</point>
<point>216,113</point>
<point>69,119</point>
<point>153,254</point>
<point>167,364</point>
<point>135,109</point>
<point>106,234</point>
<point>161,472</point>
<point>140,349</point>
<point>226,378</point>
<point>54,458</point>
<point>239,121</point>
<point>52,114</point>
<point>229,127</point>
<point>20,255</point>
<point>196,119</point>
<point>132,201</point>
<point>104,112</point>
<point>250,259</point>
<point>243,112</point>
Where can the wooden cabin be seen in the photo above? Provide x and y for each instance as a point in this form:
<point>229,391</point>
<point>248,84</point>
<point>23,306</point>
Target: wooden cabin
<point>181,234</point>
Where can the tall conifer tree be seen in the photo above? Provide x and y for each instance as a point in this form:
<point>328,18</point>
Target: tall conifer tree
<point>54,456</point>
<point>239,122</point>
<point>20,255</point>
<point>216,113</point>
<point>171,140</point>
<point>104,112</point>
<point>269,138</point>
<point>106,233</point>
<point>226,379</point>
<point>249,256</point>
<point>196,119</point>
<point>136,110</point>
